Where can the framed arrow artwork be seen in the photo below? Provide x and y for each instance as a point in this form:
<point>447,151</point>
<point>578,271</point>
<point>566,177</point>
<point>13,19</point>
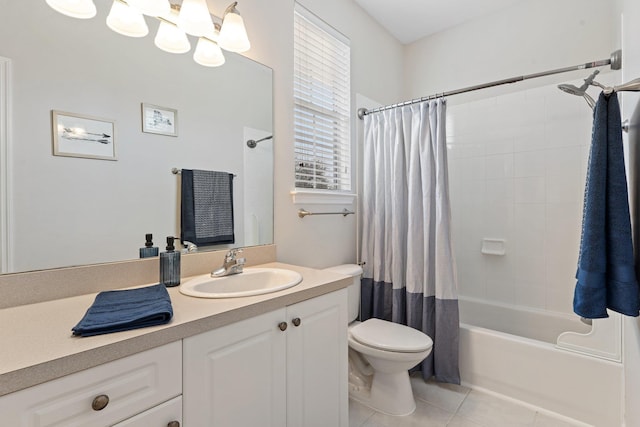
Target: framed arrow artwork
<point>79,135</point>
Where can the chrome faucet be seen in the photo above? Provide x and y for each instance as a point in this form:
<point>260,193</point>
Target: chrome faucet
<point>232,264</point>
<point>189,247</point>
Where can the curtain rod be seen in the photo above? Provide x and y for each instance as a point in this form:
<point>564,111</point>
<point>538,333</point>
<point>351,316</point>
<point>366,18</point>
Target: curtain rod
<point>615,61</point>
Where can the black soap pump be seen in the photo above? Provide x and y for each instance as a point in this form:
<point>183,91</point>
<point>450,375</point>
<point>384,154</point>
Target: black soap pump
<point>170,265</point>
<point>149,250</point>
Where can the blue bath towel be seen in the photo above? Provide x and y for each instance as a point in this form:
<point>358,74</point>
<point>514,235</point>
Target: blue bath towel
<point>206,215</point>
<point>606,274</point>
<point>115,311</point>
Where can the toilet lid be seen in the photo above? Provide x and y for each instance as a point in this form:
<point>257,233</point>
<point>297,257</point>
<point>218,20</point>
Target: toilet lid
<point>390,336</point>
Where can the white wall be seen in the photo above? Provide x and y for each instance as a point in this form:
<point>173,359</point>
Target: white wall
<point>528,37</point>
<point>376,71</point>
<point>258,194</point>
<point>630,16</point>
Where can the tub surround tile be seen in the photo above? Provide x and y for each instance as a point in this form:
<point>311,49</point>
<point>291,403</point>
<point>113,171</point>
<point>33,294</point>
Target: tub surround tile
<point>536,149</point>
<point>530,294</point>
<point>499,166</point>
<point>564,162</point>
<point>501,292</point>
<point>565,189</point>
<point>530,189</point>
<point>499,147</point>
<point>529,163</point>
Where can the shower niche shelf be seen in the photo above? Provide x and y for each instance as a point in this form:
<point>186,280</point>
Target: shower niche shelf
<point>493,246</point>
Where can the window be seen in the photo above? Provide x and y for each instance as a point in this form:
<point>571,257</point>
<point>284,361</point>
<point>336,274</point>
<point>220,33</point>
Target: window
<point>321,92</point>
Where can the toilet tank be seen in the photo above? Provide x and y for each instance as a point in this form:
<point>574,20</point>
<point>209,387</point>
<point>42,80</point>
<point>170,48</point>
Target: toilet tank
<point>353,291</point>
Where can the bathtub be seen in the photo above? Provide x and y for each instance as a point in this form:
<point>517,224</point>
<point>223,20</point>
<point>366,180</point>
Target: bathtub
<point>513,353</point>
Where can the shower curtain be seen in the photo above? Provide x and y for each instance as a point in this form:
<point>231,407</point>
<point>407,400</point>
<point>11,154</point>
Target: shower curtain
<point>409,271</point>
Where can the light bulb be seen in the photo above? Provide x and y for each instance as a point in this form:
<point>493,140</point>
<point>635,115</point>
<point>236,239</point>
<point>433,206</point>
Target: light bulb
<point>208,53</point>
<point>82,9</point>
<point>171,39</point>
<point>126,20</point>
<point>194,18</point>
<point>233,35</point>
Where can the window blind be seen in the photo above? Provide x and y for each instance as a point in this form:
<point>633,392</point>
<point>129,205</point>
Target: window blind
<point>321,91</point>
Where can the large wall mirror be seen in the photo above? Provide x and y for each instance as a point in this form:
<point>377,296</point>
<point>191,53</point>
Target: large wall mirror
<point>63,211</point>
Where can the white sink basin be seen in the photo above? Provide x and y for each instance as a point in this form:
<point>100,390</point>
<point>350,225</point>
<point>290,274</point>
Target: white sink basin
<point>253,281</point>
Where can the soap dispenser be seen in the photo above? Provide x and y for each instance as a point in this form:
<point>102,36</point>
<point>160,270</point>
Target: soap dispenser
<point>149,250</point>
<point>170,265</point>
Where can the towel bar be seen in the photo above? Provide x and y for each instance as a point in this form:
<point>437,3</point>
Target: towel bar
<point>302,213</point>
<point>177,171</point>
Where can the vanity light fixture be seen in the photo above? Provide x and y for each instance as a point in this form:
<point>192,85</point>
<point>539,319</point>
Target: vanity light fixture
<point>194,18</point>
<point>171,38</point>
<point>176,21</point>
<point>81,9</point>
<point>233,35</point>
<point>126,20</point>
<point>208,53</point>
<point>152,8</point>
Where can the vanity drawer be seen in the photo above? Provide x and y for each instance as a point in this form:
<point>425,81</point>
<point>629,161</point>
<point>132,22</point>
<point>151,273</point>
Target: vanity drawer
<point>99,396</point>
<point>169,414</point>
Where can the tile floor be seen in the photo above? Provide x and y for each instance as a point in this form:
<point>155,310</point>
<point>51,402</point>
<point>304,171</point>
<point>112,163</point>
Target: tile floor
<point>448,405</point>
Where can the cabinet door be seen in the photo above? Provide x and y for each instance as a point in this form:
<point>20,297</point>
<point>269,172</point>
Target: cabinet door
<point>161,416</point>
<point>118,390</point>
<point>317,367</point>
<point>234,376</point>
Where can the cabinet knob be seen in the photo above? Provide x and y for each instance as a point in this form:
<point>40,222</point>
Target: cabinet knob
<point>282,326</point>
<point>100,402</point>
<point>173,424</point>
<point>296,321</point>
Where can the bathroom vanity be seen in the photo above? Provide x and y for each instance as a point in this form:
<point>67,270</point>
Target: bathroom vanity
<point>271,360</point>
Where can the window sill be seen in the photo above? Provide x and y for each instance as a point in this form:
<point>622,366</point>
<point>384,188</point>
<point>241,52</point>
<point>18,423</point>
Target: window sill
<point>301,197</point>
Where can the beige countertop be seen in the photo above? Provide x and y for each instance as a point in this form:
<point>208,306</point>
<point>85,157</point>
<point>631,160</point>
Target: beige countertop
<point>37,344</point>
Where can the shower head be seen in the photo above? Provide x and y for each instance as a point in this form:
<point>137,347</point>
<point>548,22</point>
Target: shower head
<point>571,89</point>
<point>582,90</point>
<point>579,91</point>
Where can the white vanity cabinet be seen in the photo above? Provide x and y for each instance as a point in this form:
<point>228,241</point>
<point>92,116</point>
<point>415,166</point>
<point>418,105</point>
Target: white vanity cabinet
<point>104,395</point>
<point>283,368</point>
<point>168,414</point>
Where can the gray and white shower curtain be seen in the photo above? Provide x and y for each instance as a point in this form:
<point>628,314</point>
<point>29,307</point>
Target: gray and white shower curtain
<point>409,272</point>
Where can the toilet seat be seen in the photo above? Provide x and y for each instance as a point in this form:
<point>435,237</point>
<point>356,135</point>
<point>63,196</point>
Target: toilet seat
<point>389,336</point>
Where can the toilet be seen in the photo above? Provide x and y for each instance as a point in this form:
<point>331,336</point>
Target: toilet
<point>380,355</point>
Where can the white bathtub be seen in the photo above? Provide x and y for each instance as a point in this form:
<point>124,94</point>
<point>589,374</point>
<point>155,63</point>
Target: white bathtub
<point>530,368</point>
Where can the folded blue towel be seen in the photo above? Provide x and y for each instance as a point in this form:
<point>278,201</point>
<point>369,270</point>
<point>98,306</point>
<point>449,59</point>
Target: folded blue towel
<point>115,311</point>
<point>207,207</point>
<point>606,272</point>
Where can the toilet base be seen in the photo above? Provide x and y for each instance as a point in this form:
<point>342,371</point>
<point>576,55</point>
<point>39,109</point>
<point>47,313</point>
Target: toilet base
<point>390,394</point>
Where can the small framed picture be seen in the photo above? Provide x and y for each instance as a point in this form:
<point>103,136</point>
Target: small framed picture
<point>159,120</point>
<point>79,135</point>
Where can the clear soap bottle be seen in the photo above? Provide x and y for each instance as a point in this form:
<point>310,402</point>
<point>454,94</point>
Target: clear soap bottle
<point>170,265</point>
<point>149,250</point>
